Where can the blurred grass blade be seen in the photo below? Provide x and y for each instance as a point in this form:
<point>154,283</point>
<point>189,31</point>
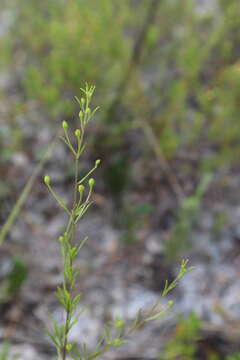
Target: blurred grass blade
<point>26,190</point>
<point>4,354</point>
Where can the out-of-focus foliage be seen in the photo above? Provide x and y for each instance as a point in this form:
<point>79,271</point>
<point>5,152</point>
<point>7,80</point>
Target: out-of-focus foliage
<point>13,282</point>
<point>132,219</point>
<point>55,46</point>
<point>185,342</point>
<point>177,68</point>
<point>183,345</point>
<point>180,237</point>
<point>192,71</point>
<point>234,357</point>
<point>4,352</point>
<point>185,84</point>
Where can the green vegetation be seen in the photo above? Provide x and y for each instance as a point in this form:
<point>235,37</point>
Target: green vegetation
<point>180,237</point>
<point>117,332</point>
<point>234,357</point>
<point>169,75</point>
<point>4,354</point>
<point>13,281</point>
<point>57,59</point>
<point>183,344</point>
<point>178,65</point>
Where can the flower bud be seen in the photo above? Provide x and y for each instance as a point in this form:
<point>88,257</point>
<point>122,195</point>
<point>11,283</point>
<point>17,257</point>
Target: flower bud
<point>117,342</point>
<point>64,125</point>
<point>69,347</point>
<point>91,182</point>
<point>78,133</point>
<point>80,114</point>
<point>170,303</point>
<point>81,188</point>
<point>97,162</point>
<point>82,101</point>
<point>88,110</point>
<point>61,239</point>
<point>119,324</point>
<point>47,180</point>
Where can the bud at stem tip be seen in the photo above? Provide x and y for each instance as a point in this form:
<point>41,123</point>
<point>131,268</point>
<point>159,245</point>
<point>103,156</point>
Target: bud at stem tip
<point>81,188</point>
<point>91,182</point>
<point>78,133</point>
<point>47,180</point>
<point>64,125</point>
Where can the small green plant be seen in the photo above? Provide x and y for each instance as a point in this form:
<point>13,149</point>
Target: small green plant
<point>116,332</point>
<point>56,53</point>
<point>4,354</point>
<point>13,282</point>
<point>234,357</point>
<point>198,102</point>
<point>132,219</point>
<point>183,344</point>
<point>187,215</point>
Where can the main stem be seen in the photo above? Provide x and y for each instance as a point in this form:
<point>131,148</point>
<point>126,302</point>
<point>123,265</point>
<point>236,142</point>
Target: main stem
<point>70,229</point>
<point>64,348</point>
<point>75,182</point>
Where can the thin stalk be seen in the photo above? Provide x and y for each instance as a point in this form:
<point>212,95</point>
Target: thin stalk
<point>76,183</point>
<point>71,228</point>
<point>26,190</point>
<point>64,349</point>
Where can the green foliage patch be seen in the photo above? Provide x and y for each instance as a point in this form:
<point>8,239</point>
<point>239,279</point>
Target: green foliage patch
<point>115,333</point>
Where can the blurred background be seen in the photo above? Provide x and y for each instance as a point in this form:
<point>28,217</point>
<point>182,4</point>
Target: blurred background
<point>167,76</point>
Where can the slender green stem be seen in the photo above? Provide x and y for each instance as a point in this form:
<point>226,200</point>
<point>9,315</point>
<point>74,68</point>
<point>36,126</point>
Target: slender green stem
<point>65,341</point>
<point>76,183</point>
<point>71,228</point>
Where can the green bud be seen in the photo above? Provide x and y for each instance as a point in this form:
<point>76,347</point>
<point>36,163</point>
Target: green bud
<point>170,303</point>
<point>81,114</point>
<point>91,182</point>
<point>82,101</point>
<point>69,347</point>
<point>47,180</point>
<point>119,324</point>
<point>64,125</point>
<point>88,110</point>
<point>81,188</point>
<point>61,239</point>
<point>116,342</point>
<point>97,162</point>
<point>78,133</point>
